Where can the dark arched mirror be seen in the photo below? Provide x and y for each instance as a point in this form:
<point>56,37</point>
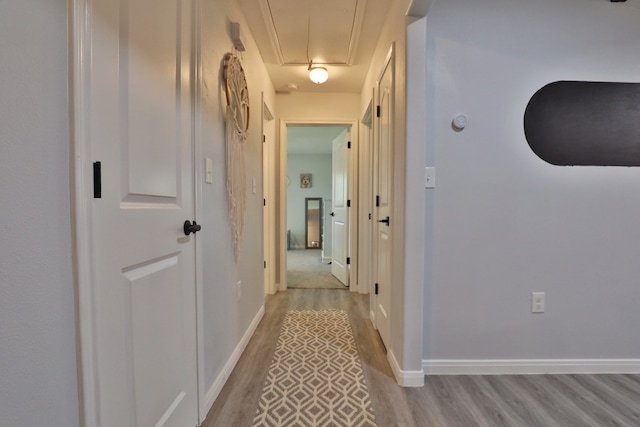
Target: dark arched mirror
<point>313,223</point>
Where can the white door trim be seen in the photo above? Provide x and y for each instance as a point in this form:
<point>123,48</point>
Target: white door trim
<point>82,221</point>
<point>268,193</point>
<point>199,174</point>
<point>365,197</point>
<point>281,215</point>
<point>384,311</point>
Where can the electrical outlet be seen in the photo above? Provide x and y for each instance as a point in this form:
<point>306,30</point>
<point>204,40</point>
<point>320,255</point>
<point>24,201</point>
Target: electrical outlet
<point>239,289</point>
<point>537,302</point>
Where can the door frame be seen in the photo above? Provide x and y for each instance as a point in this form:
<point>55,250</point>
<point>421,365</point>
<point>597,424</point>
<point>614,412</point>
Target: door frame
<point>199,170</point>
<point>269,185</point>
<point>366,205</point>
<point>389,64</point>
<point>281,214</point>
<point>81,182</point>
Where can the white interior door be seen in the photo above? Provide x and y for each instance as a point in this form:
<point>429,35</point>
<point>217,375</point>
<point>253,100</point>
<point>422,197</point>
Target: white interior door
<point>339,214</point>
<point>140,129</point>
<point>382,185</point>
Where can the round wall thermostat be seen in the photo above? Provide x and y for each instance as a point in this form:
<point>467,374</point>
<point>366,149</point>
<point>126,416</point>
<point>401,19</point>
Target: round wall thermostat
<point>460,121</point>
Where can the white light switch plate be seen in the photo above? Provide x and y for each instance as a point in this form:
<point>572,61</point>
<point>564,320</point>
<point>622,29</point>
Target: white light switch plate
<point>429,177</point>
<point>537,302</point>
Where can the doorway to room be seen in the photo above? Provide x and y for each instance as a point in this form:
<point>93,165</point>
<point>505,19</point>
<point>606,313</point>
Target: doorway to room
<point>317,184</point>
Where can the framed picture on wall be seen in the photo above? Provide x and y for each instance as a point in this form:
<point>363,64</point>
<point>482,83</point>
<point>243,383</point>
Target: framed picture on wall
<point>305,180</point>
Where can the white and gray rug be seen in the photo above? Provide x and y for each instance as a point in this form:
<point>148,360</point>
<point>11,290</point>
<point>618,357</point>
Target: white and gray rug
<point>305,270</point>
<point>315,377</point>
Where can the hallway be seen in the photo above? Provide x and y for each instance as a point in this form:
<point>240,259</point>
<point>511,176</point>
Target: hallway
<point>86,83</point>
<point>236,404</point>
<point>444,401</point>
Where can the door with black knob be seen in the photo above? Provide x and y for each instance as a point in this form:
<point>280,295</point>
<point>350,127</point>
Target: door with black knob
<point>143,285</point>
<point>383,173</point>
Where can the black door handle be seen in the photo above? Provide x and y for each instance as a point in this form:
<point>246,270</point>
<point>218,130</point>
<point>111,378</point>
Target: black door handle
<point>385,221</point>
<point>332,214</point>
<point>191,228</point>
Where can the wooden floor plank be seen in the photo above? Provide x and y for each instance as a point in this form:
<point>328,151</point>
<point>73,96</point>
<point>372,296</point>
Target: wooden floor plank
<point>566,410</point>
<point>529,410</point>
<point>621,384</point>
<point>423,415</point>
<point>494,404</point>
<point>617,401</point>
<point>455,407</point>
<point>632,380</point>
<point>589,403</point>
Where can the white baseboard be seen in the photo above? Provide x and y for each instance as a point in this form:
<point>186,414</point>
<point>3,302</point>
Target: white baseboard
<point>216,387</point>
<point>326,259</point>
<point>405,378</point>
<point>530,366</point>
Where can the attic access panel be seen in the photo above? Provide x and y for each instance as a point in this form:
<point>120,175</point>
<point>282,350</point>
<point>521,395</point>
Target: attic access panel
<point>571,123</point>
<point>325,30</point>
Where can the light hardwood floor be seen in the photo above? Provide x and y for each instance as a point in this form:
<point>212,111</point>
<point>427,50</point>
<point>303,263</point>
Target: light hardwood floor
<point>445,401</point>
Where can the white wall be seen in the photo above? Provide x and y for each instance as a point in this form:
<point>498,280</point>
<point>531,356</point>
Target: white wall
<point>37,332</point>
<point>315,106</point>
<point>319,166</point>
<point>227,320</point>
<point>416,270</point>
<point>505,223</point>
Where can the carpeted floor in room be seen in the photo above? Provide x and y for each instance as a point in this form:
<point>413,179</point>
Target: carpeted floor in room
<point>305,270</point>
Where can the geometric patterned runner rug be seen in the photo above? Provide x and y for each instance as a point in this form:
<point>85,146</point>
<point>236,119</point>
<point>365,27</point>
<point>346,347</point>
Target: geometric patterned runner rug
<point>315,377</point>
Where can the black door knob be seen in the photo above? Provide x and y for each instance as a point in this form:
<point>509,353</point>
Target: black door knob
<point>191,228</point>
<point>385,221</point>
<point>332,214</point>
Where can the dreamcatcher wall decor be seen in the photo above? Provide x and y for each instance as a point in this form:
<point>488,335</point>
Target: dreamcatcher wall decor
<point>236,134</point>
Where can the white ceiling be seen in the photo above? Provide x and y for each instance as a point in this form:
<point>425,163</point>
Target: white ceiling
<point>340,34</point>
<point>312,139</point>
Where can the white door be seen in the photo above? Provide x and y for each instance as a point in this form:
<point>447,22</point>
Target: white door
<point>140,129</point>
<point>383,189</point>
<point>339,214</point>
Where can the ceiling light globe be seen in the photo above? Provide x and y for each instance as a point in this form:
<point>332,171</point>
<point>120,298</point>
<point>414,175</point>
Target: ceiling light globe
<point>318,75</point>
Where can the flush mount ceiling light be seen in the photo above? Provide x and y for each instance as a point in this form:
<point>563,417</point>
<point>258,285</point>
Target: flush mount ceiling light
<point>317,74</point>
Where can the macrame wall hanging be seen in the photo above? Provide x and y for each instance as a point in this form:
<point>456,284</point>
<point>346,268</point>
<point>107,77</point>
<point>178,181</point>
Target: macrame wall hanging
<point>237,126</point>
